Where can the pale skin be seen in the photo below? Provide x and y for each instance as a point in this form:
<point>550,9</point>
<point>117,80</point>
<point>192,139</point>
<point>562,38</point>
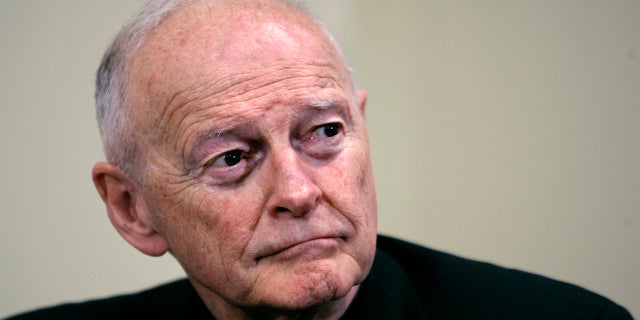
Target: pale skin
<point>257,169</point>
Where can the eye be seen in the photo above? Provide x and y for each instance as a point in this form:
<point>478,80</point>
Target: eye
<point>324,140</point>
<point>228,159</point>
<point>327,130</point>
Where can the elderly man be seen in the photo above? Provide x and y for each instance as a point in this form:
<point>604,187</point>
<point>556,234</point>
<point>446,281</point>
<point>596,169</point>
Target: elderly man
<point>236,142</point>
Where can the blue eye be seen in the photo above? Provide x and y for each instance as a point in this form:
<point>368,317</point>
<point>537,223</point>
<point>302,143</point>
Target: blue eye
<point>327,130</point>
<point>228,159</point>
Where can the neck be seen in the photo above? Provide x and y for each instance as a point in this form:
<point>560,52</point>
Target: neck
<point>331,310</point>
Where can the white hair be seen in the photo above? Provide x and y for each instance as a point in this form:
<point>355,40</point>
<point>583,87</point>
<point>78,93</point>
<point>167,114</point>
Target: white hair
<point>118,134</point>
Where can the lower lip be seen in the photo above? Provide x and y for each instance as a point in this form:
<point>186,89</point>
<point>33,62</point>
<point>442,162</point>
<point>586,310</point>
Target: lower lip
<point>312,249</point>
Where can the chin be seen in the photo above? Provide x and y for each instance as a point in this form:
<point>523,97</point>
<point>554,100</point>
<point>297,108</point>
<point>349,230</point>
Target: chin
<point>311,285</point>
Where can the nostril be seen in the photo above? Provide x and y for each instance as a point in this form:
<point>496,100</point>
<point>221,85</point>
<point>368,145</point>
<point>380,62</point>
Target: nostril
<point>281,209</point>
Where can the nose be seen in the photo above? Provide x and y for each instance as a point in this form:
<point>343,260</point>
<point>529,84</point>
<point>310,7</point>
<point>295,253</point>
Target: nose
<point>294,190</point>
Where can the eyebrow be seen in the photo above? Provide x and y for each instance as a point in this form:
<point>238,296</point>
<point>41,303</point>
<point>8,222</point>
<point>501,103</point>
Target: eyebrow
<point>340,105</point>
<point>323,104</point>
<point>213,133</point>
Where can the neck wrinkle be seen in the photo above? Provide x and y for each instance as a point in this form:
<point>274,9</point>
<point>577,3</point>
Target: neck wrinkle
<point>222,310</point>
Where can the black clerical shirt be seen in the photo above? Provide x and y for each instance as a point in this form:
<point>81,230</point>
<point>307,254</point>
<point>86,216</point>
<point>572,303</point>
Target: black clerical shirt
<point>406,281</point>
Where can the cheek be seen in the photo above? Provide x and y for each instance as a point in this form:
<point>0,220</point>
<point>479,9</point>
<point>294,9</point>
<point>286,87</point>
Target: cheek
<point>348,181</point>
<point>197,221</point>
<point>208,233</point>
<point>232,218</point>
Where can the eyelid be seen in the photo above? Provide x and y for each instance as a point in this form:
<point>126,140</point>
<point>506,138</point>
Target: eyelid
<point>226,137</point>
<point>215,148</point>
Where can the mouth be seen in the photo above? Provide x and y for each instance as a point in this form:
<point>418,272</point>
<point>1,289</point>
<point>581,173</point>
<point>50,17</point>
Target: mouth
<point>309,248</point>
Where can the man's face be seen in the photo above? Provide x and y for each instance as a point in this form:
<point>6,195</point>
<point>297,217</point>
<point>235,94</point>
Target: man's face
<point>258,170</point>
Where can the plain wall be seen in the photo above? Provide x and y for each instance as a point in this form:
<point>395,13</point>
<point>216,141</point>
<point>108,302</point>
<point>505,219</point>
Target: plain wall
<point>507,131</point>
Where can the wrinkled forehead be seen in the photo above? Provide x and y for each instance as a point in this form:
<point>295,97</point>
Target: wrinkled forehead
<point>207,44</point>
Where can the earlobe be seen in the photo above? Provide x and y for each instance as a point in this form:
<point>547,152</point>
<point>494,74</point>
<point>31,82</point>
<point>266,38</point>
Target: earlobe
<point>126,209</point>
<point>362,101</point>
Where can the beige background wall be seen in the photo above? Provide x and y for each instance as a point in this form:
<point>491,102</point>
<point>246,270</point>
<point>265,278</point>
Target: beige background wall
<point>507,131</point>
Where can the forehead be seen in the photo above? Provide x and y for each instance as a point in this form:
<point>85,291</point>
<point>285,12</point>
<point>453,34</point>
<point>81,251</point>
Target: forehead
<point>203,45</point>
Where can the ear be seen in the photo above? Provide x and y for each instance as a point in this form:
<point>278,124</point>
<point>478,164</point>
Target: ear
<point>362,100</point>
<point>127,210</point>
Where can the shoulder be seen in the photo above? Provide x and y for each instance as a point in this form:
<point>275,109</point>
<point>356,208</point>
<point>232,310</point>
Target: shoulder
<point>170,300</point>
<point>452,287</point>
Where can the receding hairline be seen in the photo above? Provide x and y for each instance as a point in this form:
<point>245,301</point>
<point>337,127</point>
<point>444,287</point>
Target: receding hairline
<point>294,9</point>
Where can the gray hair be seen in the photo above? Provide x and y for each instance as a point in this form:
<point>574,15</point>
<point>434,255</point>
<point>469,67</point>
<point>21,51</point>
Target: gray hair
<point>118,134</point>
